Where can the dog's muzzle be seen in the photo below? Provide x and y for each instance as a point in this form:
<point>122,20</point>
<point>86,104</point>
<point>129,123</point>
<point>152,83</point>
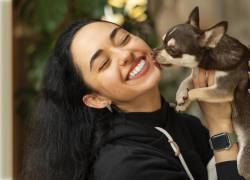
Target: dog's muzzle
<point>156,53</point>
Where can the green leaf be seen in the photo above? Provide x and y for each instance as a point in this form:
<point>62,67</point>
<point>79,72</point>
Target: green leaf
<point>50,13</point>
<point>90,8</point>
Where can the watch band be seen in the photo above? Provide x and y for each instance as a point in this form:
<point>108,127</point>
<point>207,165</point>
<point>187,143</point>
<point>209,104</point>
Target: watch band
<point>233,137</point>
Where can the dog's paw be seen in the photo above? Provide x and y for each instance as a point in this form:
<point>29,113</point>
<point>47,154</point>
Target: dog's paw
<point>182,107</point>
<point>181,97</point>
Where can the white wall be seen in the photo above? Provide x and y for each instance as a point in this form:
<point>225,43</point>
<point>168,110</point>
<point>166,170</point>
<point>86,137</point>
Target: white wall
<point>6,123</point>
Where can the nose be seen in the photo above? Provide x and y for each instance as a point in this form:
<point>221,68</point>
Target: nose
<point>125,57</point>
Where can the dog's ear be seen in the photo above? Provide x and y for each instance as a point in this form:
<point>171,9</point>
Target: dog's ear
<point>213,35</point>
<point>194,18</point>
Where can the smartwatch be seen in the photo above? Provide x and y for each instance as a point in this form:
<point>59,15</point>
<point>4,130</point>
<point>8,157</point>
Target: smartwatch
<point>222,141</point>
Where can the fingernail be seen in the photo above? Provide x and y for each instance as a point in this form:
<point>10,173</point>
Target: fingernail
<point>248,90</point>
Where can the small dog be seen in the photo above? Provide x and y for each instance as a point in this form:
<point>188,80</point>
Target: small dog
<point>212,49</point>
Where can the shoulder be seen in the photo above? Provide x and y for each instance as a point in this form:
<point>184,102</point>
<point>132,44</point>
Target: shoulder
<point>124,162</point>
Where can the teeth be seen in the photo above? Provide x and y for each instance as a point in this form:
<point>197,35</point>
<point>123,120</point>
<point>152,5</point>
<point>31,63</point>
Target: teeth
<point>137,69</point>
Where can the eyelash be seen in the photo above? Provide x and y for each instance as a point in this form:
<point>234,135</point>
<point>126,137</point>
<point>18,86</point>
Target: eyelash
<point>125,40</point>
<point>103,65</point>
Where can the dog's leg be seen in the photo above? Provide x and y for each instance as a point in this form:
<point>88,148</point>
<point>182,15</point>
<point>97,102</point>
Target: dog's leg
<point>211,94</point>
<point>182,92</point>
<point>207,94</point>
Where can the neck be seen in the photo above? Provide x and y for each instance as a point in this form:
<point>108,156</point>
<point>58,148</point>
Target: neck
<point>148,102</point>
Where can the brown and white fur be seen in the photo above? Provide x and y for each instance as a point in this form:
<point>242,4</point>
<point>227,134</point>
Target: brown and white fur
<point>212,49</point>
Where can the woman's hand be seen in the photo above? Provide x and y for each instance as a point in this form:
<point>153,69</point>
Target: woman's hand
<point>217,115</point>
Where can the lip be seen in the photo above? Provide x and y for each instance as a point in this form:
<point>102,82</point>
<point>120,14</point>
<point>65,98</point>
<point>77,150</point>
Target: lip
<point>136,62</point>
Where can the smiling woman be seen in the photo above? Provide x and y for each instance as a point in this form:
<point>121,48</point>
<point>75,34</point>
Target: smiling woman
<point>97,64</point>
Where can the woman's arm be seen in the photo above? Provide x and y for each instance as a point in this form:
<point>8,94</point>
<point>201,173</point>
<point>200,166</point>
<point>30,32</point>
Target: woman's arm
<point>218,118</point>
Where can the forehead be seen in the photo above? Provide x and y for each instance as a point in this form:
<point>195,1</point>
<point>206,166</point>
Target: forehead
<point>93,30</point>
<point>89,39</point>
<point>91,34</point>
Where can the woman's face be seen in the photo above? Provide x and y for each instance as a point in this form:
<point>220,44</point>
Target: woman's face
<point>115,63</point>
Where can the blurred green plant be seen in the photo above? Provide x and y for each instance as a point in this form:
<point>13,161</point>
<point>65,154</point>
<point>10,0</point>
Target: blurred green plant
<point>40,21</point>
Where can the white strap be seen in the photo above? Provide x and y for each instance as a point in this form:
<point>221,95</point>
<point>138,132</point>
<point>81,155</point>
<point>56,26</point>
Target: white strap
<point>211,170</point>
<point>176,149</point>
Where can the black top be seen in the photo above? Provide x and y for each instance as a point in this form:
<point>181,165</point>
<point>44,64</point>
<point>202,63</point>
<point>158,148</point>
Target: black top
<point>137,151</point>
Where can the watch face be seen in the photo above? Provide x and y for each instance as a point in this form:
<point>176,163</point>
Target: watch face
<point>220,141</point>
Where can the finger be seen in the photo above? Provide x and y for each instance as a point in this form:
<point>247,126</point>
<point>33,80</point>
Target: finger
<point>202,75</point>
<point>195,77</point>
<point>211,75</point>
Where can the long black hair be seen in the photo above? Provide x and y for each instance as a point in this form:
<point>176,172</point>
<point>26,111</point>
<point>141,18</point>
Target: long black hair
<point>62,142</point>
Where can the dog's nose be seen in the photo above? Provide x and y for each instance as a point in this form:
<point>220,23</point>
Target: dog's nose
<point>157,50</point>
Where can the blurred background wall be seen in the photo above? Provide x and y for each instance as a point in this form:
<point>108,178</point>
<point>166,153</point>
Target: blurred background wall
<point>36,25</point>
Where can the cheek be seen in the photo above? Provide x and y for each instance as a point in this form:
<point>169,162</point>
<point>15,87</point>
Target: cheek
<point>152,80</point>
<point>139,44</point>
<point>110,76</point>
<point>113,87</point>
<point>109,82</point>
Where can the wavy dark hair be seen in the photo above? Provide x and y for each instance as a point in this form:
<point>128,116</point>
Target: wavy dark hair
<point>64,134</point>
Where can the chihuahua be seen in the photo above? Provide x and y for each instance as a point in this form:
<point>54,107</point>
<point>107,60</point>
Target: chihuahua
<point>212,49</point>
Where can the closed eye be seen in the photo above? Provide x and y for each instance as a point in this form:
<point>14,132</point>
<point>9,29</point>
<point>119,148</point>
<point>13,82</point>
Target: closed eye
<point>125,40</point>
<point>106,63</point>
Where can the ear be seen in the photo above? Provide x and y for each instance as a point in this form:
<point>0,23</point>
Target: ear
<point>213,35</point>
<point>194,18</point>
<point>96,101</point>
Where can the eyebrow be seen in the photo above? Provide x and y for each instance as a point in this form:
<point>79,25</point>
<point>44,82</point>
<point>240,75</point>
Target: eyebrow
<point>99,51</point>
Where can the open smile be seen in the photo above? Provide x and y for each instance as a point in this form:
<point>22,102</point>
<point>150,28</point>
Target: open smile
<point>138,69</point>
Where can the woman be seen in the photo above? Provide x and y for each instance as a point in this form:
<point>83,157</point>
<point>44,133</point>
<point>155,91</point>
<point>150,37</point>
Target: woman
<point>99,105</point>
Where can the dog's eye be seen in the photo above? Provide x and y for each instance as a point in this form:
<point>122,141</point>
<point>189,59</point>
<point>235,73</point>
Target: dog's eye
<point>173,52</point>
